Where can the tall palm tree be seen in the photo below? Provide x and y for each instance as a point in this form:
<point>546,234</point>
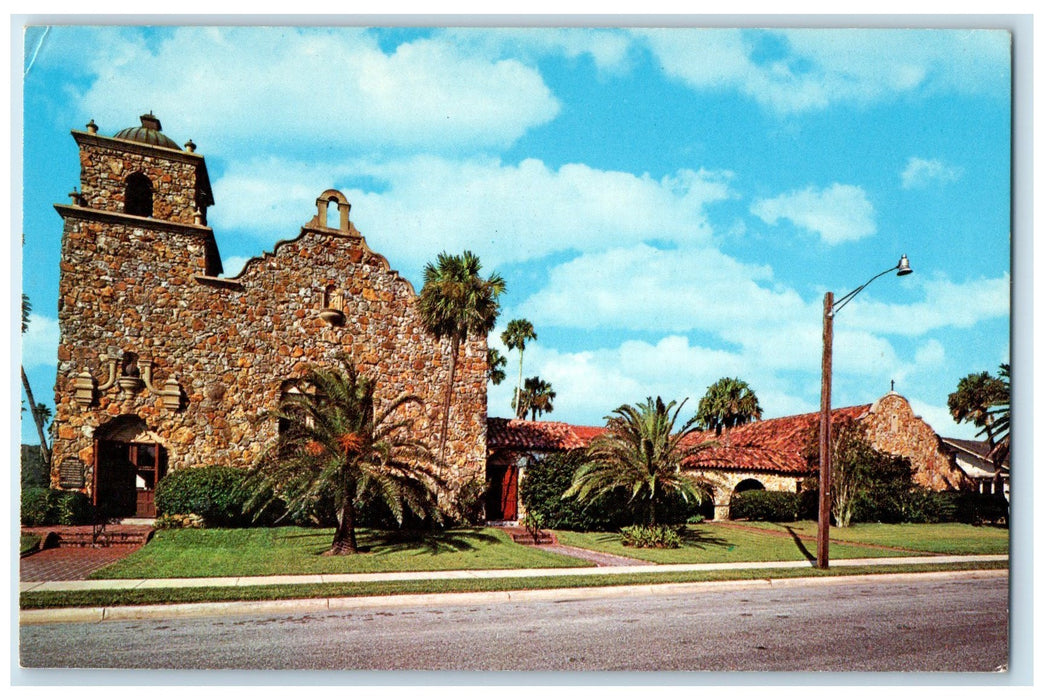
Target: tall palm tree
<point>454,303</point>
<point>976,396</point>
<point>537,398</point>
<point>516,334</point>
<point>642,455</point>
<point>39,412</point>
<point>336,442</point>
<point>495,364</point>
<point>728,402</point>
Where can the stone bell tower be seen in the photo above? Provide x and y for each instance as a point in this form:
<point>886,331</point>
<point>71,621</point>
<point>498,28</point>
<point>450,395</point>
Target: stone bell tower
<point>134,235</point>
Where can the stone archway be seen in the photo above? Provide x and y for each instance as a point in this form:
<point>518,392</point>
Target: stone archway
<point>129,460</point>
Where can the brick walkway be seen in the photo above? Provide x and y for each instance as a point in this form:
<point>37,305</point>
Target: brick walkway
<point>73,563</point>
<point>70,563</point>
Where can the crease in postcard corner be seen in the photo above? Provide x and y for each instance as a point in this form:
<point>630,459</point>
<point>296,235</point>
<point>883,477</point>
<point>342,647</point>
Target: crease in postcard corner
<point>36,36</point>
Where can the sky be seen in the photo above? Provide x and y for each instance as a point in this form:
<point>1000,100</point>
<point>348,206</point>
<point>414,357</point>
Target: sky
<point>667,206</point>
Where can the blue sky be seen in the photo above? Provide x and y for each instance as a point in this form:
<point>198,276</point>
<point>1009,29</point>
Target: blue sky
<point>667,206</point>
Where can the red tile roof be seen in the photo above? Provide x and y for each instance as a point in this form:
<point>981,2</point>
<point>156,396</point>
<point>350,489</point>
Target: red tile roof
<point>538,436</point>
<point>773,445</point>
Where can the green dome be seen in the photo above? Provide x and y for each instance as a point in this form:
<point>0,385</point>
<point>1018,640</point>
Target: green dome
<point>149,132</point>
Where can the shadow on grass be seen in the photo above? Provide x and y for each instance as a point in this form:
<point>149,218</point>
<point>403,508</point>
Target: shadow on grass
<point>428,542</point>
<point>695,537</point>
<point>800,545</point>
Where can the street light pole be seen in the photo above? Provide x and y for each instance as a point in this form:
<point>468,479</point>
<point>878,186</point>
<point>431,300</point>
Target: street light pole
<point>830,308</point>
<point>823,540</point>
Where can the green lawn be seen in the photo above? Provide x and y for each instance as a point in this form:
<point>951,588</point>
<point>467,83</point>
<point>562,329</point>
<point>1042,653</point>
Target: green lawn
<point>295,550</point>
<point>940,538</point>
<point>714,543</point>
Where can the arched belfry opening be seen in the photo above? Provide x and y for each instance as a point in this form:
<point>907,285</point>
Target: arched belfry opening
<point>137,198</point>
<point>325,205</point>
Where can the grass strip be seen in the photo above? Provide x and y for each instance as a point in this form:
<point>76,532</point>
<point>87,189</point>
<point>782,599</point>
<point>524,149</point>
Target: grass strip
<point>61,599</point>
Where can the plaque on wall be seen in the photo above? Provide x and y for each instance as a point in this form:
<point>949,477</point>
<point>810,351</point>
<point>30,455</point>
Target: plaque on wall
<point>70,474</point>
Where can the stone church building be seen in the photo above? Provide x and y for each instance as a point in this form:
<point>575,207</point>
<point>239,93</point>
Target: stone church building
<point>164,364</point>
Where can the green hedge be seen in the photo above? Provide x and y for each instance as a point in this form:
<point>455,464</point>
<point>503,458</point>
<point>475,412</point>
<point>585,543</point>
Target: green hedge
<point>215,493</point>
<point>773,506</point>
<point>44,506</point>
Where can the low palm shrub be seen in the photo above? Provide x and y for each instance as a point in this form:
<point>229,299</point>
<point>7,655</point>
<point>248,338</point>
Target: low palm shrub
<point>651,537</point>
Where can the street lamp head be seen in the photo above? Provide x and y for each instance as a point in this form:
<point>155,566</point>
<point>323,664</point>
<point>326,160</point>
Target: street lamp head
<point>903,267</point>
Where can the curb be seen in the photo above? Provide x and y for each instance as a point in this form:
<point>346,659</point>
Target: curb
<point>307,605</point>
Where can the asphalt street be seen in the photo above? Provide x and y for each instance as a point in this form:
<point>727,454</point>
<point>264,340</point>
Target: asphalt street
<point>952,622</point>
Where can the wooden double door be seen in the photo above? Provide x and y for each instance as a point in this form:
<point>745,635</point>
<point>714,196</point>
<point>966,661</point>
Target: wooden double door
<point>125,476</point>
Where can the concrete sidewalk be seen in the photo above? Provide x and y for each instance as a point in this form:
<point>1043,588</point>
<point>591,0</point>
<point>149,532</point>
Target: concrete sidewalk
<point>226,582</point>
<point>346,603</point>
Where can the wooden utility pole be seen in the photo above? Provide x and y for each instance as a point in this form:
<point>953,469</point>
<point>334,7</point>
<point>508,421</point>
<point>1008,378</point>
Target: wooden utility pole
<point>823,541</point>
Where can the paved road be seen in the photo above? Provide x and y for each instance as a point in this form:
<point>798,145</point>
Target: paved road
<point>952,622</point>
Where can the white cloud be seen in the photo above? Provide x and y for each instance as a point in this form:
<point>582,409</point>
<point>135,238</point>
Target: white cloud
<point>666,290</point>
<point>796,70</point>
<point>930,354</point>
<point>945,304</point>
<point>40,342</point>
<point>591,383</point>
<point>920,173</point>
<point>504,213</point>
<point>837,214</point>
<point>607,48</point>
<point>336,86</point>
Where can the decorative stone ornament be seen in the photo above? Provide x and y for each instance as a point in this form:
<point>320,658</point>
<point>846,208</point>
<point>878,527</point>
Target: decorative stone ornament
<point>335,317</point>
<point>83,389</point>
<point>169,395</point>
<point>129,385</point>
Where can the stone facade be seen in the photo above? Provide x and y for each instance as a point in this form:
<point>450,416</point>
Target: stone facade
<point>892,427</point>
<point>151,333</point>
<point>723,486</point>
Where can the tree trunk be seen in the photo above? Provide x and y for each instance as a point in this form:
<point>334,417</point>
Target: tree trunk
<point>44,451</point>
<point>454,354</point>
<point>344,538</point>
<point>519,413</point>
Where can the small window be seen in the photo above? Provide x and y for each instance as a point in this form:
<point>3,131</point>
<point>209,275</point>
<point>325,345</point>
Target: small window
<point>137,199</point>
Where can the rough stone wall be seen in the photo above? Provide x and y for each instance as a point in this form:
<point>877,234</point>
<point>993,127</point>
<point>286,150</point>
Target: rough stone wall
<point>892,427</point>
<point>134,285</point>
<point>105,166</point>
<point>723,485</point>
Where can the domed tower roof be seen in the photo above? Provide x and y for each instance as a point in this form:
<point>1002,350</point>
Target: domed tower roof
<point>149,132</point>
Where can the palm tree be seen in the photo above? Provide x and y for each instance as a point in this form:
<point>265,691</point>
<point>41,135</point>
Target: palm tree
<point>975,399</point>
<point>642,455</point>
<point>39,412</point>
<point>536,398</point>
<point>335,442</point>
<point>495,364</point>
<point>456,302</point>
<point>516,334</point>
<point>728,402</point>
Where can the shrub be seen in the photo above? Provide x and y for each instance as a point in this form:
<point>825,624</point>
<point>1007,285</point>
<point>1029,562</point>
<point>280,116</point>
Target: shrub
<point>43,506</point>
<point>72,508</point>
<point>215,493</point>
<point>977,508</point>
<point>471,501</point>
<point>541,492</point>
<point>774,506</point>
<point>657,536</point>
<point>175,521</point>
<point>36,506</point>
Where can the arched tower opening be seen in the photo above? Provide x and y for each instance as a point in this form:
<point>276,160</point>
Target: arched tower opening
<point>137,198</point>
